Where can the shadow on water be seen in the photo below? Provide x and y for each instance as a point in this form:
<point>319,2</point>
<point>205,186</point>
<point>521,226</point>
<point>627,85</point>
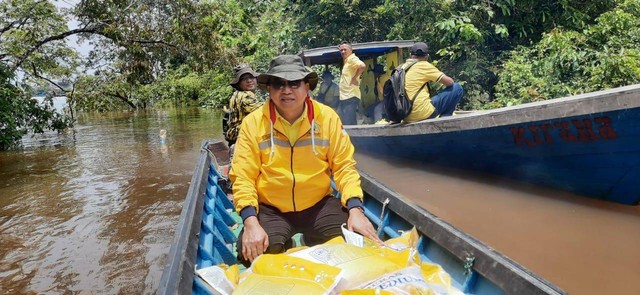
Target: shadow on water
<point>94,209</point>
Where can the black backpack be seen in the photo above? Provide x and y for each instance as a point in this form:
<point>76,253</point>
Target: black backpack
<point>396,101</point>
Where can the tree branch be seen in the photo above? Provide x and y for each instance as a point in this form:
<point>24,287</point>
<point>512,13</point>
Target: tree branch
<point>50,39</point>
<point>35,74</point>
<point>122,40</point>
<point>153,42</point>
<point>122,98</point>
<point>20,21</point>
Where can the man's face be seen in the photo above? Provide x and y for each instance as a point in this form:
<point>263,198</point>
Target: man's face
<point>345,51</point>
<point>247,83</point>
<point>288,96</point>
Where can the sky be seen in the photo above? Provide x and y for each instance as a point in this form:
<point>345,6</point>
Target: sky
<point>84,47</point>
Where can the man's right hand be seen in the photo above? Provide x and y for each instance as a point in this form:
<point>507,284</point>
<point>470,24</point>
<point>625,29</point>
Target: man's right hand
<point>254,239</point>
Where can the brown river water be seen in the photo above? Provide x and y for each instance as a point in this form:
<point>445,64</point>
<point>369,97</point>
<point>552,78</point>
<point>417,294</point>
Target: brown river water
<point>93,211</point>
<point>582,245</point>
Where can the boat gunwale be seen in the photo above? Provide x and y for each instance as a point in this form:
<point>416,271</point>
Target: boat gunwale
<point>616,99</point>
<point>489,263</point>
<point>178,274</point>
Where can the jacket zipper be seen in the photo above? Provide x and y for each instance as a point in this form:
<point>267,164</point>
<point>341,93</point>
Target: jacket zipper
<point>293,175</point>
<point>293,188</point>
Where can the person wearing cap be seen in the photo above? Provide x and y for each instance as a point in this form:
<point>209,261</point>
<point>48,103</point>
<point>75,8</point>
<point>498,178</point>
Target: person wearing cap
<point>286,154</point>
<point>243,100</point>
<point>349,84</point>
<point>329,92</point>
<point>425,106</point>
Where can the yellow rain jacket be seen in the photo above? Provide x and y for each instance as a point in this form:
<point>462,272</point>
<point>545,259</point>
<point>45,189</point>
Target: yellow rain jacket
<point>268,169</point>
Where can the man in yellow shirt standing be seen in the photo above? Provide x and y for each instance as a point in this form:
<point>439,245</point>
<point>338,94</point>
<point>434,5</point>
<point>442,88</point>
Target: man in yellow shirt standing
<point>422,72</point>
<point>349,84</point>
<point>286,154</point>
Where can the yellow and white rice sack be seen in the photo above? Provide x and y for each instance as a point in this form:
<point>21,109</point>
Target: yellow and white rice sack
<point>358,264</point>
<point>283,274</point>
<point>426,279</point>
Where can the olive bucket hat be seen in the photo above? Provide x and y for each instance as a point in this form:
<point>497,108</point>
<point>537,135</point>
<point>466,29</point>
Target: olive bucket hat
<point>290,68</point>
<point>240,70</point>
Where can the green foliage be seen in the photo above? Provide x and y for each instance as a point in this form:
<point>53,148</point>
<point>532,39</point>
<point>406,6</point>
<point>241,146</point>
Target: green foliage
<point>103,92</point>
<point>32,44</point>
<point>20,114</point>
<point>274,34</point>
<point>328,22</point>
<point>182,54</point>
<point>182,88</point>
<point>602,56</point>
<point>470,39</point>
<point>27,26</point>
<point>161,53</point>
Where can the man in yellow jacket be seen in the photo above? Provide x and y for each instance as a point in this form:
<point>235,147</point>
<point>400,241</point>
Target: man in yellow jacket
<point>285,156</point>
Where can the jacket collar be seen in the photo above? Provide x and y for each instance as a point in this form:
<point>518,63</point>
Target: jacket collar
<point>311,109</point>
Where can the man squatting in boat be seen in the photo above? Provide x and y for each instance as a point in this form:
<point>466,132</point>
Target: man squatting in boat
<point>422,72</point>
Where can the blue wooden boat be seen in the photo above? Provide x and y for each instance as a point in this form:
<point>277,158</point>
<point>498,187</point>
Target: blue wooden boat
<point>588,144</point>
<point>204,237</point>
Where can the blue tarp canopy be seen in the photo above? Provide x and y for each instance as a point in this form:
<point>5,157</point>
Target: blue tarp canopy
<point>331,55</point>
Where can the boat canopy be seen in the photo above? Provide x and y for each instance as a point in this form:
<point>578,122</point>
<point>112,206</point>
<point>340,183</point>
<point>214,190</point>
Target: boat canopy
<point>368,50</point>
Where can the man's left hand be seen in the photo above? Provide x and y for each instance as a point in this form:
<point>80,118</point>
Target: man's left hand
<point>359,223</point>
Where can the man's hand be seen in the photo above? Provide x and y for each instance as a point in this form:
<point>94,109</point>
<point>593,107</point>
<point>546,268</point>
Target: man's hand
<point>359,223</point>
<point>254,239</point>
<point>355,80</point>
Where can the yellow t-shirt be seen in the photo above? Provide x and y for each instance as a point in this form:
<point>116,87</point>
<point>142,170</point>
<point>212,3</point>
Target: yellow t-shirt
<point>418,74</point>
<point>292,130</point>
<point>348,71</point>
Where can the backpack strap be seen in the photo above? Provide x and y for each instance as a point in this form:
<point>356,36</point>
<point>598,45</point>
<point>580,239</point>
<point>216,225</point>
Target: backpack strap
<point>324,95</point>
<point>423,85</point>
<point>410,65</point>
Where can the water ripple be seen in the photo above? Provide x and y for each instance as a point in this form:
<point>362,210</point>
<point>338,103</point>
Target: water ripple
<point>94,210</point>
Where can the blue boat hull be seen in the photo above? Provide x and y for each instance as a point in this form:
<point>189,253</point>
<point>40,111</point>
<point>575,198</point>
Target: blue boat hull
<point>595,154</point>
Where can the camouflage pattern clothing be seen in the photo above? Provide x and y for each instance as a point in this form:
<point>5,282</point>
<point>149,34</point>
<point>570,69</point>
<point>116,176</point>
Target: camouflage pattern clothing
<point>241,104</point>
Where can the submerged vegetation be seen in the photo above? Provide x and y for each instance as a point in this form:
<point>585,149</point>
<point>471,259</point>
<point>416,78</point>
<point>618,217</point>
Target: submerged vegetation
<point>158,53</point>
